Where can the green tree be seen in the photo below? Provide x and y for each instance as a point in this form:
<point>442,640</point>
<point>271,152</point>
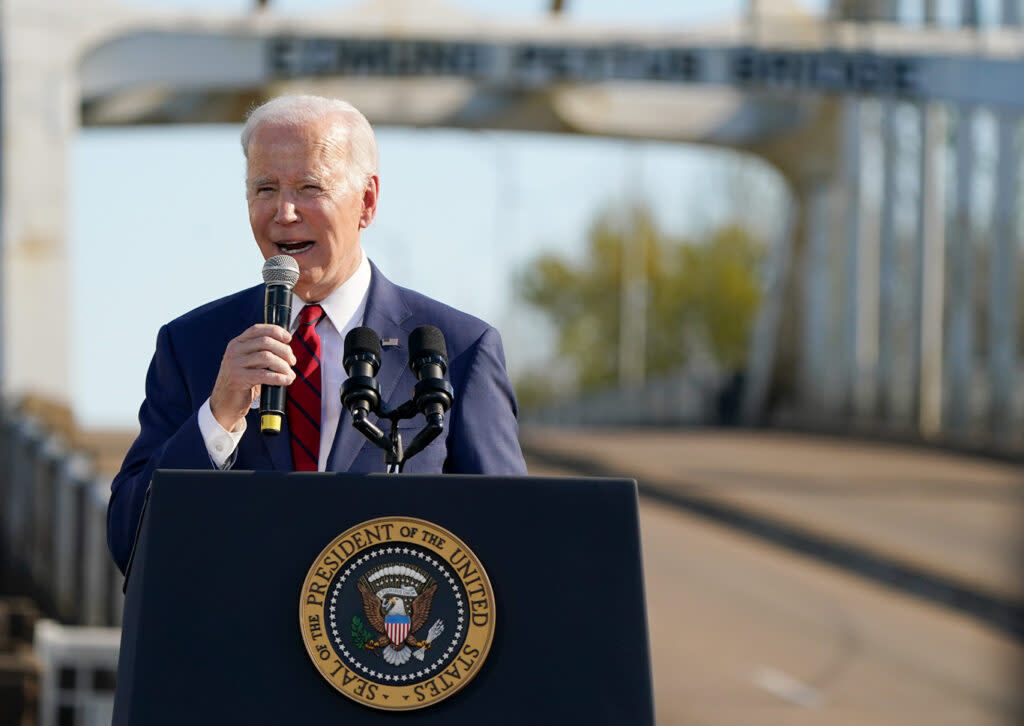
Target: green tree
<point>704,292</point>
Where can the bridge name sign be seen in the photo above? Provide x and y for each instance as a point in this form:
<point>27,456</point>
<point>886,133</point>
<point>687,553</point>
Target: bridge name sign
<point>969,79</point>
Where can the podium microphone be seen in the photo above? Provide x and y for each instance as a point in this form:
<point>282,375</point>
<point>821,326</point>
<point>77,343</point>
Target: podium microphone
<point>428,359</point>
<point>360,393</point>
<point>280,273</point>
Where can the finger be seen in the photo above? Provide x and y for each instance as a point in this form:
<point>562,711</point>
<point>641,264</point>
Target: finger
<point>266,330</point>
<point>244,349</point>
<point>262,359</point>
<point>247,378</point>
<point>264,377</point>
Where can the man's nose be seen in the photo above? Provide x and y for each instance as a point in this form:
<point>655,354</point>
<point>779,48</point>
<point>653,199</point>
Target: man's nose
<point>286,211</point>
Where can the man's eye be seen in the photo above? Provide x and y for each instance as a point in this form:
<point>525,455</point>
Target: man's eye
<point>314,188</point>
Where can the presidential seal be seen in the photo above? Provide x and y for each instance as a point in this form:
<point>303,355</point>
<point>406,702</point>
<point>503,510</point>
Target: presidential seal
<point>397,613</point>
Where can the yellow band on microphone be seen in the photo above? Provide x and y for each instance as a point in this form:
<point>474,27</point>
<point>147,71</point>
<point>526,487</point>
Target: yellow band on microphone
<point>270,423</point>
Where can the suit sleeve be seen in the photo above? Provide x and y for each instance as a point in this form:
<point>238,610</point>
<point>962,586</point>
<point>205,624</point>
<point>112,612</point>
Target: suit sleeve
<point>169,438</point>
<point>484,435</point>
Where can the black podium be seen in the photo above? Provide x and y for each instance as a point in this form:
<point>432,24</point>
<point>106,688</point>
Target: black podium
<point>211,629</point>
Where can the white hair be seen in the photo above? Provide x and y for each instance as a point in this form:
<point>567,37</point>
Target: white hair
<point>346,121</point>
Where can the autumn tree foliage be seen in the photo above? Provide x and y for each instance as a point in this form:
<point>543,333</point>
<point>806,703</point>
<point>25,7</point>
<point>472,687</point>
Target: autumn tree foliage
<point>699,294</point>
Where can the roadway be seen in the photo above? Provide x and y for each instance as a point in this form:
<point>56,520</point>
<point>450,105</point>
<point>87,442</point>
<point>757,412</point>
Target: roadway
<point>748,633</point>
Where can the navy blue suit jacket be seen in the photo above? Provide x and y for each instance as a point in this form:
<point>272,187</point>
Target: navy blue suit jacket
<point>481,435</point>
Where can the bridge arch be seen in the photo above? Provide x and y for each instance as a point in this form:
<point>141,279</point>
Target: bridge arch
<point>793,99</point>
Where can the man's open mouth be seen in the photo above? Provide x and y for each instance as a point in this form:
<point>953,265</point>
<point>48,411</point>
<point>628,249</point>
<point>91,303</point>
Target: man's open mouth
<point>292,248</point>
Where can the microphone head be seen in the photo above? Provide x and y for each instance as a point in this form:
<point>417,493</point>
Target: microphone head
<point>281,270</point>
<point>426,341</point>
<point>362,340</point>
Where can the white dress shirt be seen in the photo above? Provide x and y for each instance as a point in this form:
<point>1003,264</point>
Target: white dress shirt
<point>345,308</point>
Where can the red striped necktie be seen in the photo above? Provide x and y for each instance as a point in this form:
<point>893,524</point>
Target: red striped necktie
<point>303,407</point>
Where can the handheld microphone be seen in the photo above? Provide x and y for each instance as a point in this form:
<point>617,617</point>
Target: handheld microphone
<point>280,273</point>
<point>428,359</point>
<point>360,393</point>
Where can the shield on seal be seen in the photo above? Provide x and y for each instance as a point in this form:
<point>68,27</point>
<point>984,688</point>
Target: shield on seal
<point>397,627</point>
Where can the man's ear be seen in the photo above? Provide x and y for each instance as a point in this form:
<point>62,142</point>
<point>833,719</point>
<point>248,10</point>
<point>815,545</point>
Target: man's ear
<point>370,195</point>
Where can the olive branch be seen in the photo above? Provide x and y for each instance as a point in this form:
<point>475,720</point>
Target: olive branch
<point>361,635</point>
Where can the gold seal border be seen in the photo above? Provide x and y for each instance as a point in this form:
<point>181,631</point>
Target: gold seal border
<point>334,557</point>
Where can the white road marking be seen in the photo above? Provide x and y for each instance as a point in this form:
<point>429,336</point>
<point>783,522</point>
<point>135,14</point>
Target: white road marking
<point>787,688</point>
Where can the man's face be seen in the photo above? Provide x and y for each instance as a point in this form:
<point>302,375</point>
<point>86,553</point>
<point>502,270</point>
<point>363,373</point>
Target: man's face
<point>299,204</point>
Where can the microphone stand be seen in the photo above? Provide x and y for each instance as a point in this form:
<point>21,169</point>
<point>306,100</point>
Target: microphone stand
<point>391,443</point>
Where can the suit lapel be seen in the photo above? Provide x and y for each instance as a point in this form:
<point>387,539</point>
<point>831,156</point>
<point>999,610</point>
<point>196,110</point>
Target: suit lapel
<point>385,314</point>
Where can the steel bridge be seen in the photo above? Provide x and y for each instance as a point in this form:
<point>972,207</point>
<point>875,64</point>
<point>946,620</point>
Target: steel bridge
<point>892,296</point>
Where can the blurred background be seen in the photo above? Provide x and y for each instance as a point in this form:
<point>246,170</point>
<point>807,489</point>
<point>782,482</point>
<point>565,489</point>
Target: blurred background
<point>762,256</point>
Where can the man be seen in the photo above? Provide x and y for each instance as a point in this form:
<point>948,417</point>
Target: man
<point>312,187</point>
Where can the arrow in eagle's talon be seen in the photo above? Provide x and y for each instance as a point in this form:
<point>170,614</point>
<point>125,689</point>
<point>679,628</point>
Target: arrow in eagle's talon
<point>435,630</point>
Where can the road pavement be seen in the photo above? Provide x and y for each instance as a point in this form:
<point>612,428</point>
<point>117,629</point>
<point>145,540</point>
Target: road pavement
<point>746,633</point>
<point>958,516</point>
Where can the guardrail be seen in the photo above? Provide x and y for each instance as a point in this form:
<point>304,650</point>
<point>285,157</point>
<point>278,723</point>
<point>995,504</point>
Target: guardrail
<point>53,512</point>
<point>696,396</point>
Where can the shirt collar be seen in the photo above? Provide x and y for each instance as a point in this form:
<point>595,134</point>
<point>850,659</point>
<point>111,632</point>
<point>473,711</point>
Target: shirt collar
<point>344,301</point>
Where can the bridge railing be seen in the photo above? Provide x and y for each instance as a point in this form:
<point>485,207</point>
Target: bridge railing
<point>690,397</point>
<point>53,526</point>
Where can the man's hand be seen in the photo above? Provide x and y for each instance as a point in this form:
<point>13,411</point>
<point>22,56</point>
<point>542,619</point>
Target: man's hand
<point>259,356</point>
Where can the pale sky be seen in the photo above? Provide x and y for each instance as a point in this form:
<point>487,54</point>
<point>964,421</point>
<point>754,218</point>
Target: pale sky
<point>460,211</point>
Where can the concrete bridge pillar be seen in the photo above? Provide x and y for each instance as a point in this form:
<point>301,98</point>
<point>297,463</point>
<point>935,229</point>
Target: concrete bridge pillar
<point>39,123</point>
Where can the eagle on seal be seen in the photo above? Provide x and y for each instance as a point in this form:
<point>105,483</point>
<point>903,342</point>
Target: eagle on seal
<point>388,616</point>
